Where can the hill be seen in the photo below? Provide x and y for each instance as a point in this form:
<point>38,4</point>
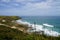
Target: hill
<point>7,33</point>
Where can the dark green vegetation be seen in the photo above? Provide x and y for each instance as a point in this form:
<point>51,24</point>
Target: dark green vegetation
<point>7,33</point>
<point>9,20</point>
<point>9,17</point>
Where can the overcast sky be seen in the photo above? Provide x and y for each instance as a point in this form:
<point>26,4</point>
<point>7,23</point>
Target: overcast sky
<point>30,7</point>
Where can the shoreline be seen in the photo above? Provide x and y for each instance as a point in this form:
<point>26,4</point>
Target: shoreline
<point>17,23</point>
<point>32,28</point>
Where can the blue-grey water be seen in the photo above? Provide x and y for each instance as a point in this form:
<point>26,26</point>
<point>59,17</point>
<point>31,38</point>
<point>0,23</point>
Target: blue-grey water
<point>52,20</point>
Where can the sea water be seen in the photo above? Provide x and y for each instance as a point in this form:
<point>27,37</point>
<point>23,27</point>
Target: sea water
<point>50,24</point>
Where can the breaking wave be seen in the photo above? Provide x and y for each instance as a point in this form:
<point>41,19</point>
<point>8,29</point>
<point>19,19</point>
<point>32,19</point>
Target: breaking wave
<point>48,25</point>
<point>40,28</point>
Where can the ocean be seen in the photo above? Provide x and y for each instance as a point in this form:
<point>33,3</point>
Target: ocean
<point>48,22</point>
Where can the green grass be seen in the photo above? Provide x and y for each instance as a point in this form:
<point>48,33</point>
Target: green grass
<point>10,34</point>
<point>7,33</point>
<point>8,20</point>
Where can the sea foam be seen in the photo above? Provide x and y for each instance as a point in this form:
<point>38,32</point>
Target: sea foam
<point>48,25</point>
<point>40,28</point>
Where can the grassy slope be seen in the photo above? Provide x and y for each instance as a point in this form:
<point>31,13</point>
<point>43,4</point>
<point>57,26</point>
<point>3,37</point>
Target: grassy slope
<point>13,34</point>
<point>10,34</point>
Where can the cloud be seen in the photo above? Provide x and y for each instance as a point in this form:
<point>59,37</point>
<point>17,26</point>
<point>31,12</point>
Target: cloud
<point>5,0</point>
<point>21,0</point>
<point>30,7</point>
<point>38,5</point>
<point>28,3</point>
<point>26,0</point>
<point>35,4</point>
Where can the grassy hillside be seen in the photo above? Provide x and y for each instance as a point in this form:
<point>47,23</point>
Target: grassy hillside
<point>13,34</point>
<point>9,20</point>
<point>8,33</point>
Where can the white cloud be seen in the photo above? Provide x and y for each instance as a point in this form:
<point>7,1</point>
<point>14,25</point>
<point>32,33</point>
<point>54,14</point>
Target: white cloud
<point>38,5</point>
<point>29,5</point>
<point>41,5</point>
<point>15,4</point>
<point>20,0</point>
<point>5,0</point>
<point>41,8</point>
<point>25,0</point>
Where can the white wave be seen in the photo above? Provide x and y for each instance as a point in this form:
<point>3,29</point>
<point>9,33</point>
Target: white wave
<point>22,22</point>
<point>51,33</point>
<point>48,25</point>
<point>40,28</point>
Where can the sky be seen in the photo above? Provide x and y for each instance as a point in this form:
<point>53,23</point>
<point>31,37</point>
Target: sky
<point>30,7</point>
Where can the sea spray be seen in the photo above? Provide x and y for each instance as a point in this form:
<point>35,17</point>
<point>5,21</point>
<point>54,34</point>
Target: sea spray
<point>48,25</point>
<point>40,28</point>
